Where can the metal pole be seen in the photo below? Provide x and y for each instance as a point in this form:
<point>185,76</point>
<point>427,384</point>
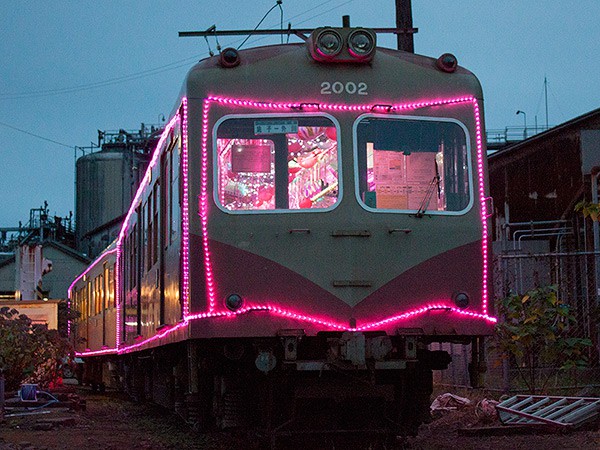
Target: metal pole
<point>524,123</point>
<point>596,231</point>
<point>404,21</point>
<point>1,396</point>
<point>546,98</point>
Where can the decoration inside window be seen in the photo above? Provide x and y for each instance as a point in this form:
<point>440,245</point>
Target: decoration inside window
<point>277,163</point>
<point>413,164</point>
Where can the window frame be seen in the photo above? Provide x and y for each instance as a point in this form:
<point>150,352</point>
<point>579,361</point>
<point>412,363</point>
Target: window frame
<point>288,115</point>
<point>470,169</point>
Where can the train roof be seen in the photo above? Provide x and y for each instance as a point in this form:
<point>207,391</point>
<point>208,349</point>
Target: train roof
<point>291,66</point>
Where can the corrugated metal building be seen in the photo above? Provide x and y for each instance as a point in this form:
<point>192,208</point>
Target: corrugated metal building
<point>543,177</point>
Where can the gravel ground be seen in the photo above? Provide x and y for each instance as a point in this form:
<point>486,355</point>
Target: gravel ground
<point>112,422</point>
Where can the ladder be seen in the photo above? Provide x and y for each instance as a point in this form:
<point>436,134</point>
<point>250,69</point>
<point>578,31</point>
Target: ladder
<point>538,410</point>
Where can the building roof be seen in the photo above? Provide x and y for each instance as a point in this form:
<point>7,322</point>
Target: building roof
<point>57,245</point>
<point>552,132</point>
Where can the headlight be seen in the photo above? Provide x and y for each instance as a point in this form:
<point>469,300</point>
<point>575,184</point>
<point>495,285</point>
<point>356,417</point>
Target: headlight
<point>329,43</point>
<point>360,44</point>
<point>461,299</point>
<point>230,57</point>
<point>447,63</point>
<point>234,302</point>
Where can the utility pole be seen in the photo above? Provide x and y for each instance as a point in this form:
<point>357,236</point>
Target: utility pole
<point>404,22</point>
<point>2,367</point>
<point>546,98</point>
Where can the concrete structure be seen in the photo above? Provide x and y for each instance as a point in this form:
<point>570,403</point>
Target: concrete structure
<point>66,265</point>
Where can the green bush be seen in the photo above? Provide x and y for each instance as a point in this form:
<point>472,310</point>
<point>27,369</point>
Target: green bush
<point>28,352</point>
<point>536,330</point>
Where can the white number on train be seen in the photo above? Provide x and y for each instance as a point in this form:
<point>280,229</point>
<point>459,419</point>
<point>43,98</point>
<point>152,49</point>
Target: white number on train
<point>337,87</point>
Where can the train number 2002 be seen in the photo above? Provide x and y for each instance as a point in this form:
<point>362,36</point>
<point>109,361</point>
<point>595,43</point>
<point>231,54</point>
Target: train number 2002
<point>337,87</point>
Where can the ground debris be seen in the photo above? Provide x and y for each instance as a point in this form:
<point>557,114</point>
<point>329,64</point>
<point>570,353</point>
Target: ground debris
<point>475,425</point>
<point>112,422</point>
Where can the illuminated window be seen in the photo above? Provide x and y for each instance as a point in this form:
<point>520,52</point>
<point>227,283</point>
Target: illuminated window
<point>277,163</point>
<point>413,164</point>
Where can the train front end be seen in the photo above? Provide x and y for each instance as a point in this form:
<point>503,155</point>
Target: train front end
<point>336,215</point>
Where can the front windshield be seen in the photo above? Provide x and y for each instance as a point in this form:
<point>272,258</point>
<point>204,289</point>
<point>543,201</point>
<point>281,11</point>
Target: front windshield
<point>277,163</point>
<point>412,164</point>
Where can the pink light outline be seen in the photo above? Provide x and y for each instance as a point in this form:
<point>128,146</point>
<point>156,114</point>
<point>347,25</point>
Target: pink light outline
<point>203,213</point>
<point>99,258</point>
<point>291,315</point>
<point>203,208</point>
<point>203,201</point>
<point>122,233</point>
<point>185,225</point>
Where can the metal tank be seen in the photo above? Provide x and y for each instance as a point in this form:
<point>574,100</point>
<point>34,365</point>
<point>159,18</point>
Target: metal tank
<point>106,183</point>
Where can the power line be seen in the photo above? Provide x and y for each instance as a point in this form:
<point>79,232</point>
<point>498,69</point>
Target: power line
<point>111,81</point>
<point>149,72</point>
<point>36,135</point>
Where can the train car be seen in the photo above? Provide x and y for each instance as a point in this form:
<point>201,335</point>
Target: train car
<point>92,295</point>
<point>313,217</point>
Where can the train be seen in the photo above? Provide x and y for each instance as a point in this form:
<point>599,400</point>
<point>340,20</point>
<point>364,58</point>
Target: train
<point>314,216</point>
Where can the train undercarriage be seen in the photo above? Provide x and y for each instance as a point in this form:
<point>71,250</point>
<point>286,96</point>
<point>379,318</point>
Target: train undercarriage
<point>335,383</point>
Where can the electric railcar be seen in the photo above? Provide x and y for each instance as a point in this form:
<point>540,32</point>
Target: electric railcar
<point>313,217</point>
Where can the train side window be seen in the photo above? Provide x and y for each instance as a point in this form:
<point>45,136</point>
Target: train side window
<point>413,164</point>
<point>156,224</point>
<point>276,163</point>
<point>111,287</point>
<point>175,196</point>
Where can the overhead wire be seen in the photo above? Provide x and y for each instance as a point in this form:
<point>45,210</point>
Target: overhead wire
<point>261,21</point>
<point>153,71</point>
<point>36,135</point>
<point>142,74</point>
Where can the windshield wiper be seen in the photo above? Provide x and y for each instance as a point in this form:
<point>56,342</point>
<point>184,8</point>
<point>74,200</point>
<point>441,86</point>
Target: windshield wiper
<point>435,182</point>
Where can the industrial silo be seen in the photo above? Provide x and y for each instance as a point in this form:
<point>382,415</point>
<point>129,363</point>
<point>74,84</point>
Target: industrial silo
<point>106,183</point>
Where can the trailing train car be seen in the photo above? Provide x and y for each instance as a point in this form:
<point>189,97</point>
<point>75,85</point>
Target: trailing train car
<point>314,215</point>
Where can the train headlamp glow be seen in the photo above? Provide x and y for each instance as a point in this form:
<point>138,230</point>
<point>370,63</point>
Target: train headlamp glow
<point>234,302</point>
<point>361,44</point>
<point>329,43</point>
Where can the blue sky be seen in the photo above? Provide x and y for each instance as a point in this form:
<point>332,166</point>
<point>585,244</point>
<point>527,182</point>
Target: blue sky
<point>70,68</point>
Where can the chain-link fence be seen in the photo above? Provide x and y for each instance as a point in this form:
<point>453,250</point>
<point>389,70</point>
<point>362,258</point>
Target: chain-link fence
<point>576,280</point>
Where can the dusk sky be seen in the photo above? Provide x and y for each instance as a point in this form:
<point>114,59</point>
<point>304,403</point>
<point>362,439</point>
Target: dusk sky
<point>70,68</point>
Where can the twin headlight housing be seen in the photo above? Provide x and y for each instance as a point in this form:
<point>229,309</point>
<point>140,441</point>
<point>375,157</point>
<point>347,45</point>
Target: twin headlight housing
<point>342,44</point>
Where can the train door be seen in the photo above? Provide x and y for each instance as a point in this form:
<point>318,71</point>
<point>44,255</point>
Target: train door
<point>163,223</point>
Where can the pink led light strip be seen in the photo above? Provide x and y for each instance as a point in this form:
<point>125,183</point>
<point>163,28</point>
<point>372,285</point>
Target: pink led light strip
<point>123,232</point>
<point>203,209</point>
<point>203,201</point>
<point>291,315</point>
<point>482,205</point>
<point>203,213</point>
<point>185,219</point>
